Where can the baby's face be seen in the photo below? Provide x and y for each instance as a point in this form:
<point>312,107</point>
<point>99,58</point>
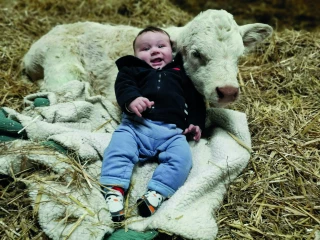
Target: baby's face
<point>154,48</point>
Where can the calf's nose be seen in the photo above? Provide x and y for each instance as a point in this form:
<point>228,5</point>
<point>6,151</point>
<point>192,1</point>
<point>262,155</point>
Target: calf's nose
<point>227,94</point>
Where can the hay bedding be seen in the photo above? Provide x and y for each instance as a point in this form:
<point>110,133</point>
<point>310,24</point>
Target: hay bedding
<point>276,197</point>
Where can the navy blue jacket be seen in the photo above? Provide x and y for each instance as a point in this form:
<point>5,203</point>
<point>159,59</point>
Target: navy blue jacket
<point>175,98</point>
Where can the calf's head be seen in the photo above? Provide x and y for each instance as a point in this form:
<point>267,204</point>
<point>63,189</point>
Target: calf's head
<point>211,45</point>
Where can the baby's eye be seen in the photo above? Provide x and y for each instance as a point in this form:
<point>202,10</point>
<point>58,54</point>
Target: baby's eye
<point>160,46</point>
<point>145,48</point>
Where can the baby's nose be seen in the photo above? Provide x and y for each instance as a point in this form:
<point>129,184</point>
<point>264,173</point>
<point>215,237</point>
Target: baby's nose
<point>154,52</point>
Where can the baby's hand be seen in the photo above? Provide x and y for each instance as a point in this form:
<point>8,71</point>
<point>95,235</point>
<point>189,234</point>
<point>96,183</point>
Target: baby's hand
<point>195,130</point>
<point>139,105</point>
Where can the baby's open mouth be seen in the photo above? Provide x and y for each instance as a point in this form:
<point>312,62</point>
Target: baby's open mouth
<point>156,60</point>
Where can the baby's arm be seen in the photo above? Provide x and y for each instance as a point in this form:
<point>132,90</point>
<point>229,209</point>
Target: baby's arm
<point>126,89</point>
<point>139,105</point>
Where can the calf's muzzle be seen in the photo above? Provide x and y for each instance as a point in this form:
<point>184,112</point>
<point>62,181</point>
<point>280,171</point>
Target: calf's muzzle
<point>227,94</point>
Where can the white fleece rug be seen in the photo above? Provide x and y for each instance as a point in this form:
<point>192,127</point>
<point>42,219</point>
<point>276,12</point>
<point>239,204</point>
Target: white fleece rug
<point>83,124</point>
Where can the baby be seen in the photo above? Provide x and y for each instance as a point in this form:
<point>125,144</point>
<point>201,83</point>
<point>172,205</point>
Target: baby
<point>161,109</point>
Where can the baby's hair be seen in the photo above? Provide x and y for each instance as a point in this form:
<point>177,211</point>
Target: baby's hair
<point>151,29</point>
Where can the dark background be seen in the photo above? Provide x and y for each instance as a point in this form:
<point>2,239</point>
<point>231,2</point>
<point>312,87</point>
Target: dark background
<point>291,14</point>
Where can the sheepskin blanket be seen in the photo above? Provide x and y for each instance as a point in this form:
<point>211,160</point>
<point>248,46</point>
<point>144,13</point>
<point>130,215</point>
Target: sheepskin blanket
<point>83,125</point>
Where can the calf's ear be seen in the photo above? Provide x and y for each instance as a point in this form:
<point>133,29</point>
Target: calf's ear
<point>174,47</point>
<point>254,33</point>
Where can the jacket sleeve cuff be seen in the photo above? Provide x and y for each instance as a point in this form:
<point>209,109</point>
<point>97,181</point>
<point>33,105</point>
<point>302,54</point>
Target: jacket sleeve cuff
<point>125,106</point>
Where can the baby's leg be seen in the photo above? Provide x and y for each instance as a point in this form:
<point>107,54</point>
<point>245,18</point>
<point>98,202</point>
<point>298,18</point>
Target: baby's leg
<point>175,165</point>
<point>119,158</point>
<point>172,172</point>
<point>117,166</point>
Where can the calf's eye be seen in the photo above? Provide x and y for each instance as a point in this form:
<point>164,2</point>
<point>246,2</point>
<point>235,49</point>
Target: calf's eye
<point>196,54</point>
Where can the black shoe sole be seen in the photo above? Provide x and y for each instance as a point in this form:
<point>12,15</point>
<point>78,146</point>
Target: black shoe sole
<point>143,209</point>
<point>118,218</point>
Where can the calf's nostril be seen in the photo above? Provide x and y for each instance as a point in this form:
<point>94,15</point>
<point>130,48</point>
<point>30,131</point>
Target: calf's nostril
<point>220,94</point>
<point>236,94</point>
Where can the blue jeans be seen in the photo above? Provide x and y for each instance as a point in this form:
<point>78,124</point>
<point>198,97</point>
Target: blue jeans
<point>138,139</point>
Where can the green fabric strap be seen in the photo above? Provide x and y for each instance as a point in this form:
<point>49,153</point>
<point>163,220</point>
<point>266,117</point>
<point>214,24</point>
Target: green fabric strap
<point>41,102</point>
<point>55,146</point>
<point>3,113</point>
<point>4,138</point>
<point>9,129</point>
<point>121,234</point>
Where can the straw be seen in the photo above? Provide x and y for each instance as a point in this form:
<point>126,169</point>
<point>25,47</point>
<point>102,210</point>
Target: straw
<point>276,197</point>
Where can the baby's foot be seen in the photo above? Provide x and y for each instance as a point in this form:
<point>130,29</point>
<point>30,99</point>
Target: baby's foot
<point>114,201</point>
<point>149,203</point>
